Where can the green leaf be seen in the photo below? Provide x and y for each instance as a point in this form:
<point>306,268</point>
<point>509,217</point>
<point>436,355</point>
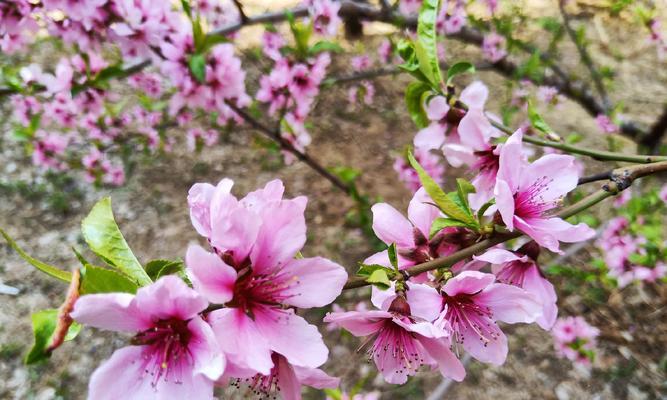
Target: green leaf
<point>197,64</point>
<point>393,256</point>
<point>102,280</point>
<point>346,174</point>
<point>379,279</point>
<point>186,8</point>
<point>484,207</point>
<point>444,202</point>
<point>105,239</point>
<point>441,223</point>
<point>463,189</point>
<point>323,46</point>
<point>426,47</point>
<point>158,268</point>
<point>43,326</point>
<point>55,272</point>
<point>415,95</point>
<point>211,40</point>
<point>536,120</point>
<point>368,269</point>
<point>459,68</point>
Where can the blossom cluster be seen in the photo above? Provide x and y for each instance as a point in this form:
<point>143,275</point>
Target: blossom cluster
<point>575,340</point>
<point>621,248</point>
<point>238,324</point>
<point>73,118</point>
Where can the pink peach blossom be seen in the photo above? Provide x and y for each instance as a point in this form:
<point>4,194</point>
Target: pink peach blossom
<point>174,353</point>
<point>527,192</point>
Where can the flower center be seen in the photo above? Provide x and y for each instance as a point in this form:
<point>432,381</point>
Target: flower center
<point>394,345</point>
<point>469,318</point>
<point>166,348</point>
<point>530,202</point>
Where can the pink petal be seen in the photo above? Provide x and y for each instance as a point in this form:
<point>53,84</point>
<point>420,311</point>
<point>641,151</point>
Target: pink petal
<point>468,282</point>
<point>448,364</point>
<point>544,291</point>
<point>493,351</point>
<point>111,311</point>
<point>210,276</point>
<point>458,154</point>
<point>233,227</point>
<point>291,336</point>
<point>512,161</point>
<point>425,302</point>
<point>359,323</point>
<point>380,258</point>
<point>558,171</point>
<point>499,256</point>
<point>422,214</point>
<point>475,130</point>
<point>282,234</point>
<point>123,377</point>
<point>288,382</point>
<point>391,226</point>
<point>509,303</point>
<point>475,95</point>
<point>505,203</point>
<point>240,340</point>
<point>382,299</point>
<point>199,201</point>
<point>273,191</point>
<point>437,108</point>
<point>424,329</point>
<point>169,297</point>
<point>431,137</point>
<point>318,282</point>
<point>204,349</point>
<point>316,378</point>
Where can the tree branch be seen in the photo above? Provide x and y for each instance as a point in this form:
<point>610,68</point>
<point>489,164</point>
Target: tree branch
<point>621,179</point>
<point>275,135</point>
<point>585,57</point>
<point>652,140</point>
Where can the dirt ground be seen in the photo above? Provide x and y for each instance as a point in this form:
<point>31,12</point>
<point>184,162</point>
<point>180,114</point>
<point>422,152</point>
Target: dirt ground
<point>152,213</point>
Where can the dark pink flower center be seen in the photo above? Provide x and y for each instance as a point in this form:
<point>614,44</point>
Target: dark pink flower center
<point>166,349</point>
<point>513,273</point>
<point>487,162</point>
<point>395,345</point>
<point>530,203</point>
<point>467,318</point>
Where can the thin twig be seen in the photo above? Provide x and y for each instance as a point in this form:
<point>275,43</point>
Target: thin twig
<point>585,57</point>
<point>275,135</point>
<point>594,178</point>
<point>652,140</point>
<point>242,14</point>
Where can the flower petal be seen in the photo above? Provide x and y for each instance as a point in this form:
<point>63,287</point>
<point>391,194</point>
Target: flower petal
<point>316,378</point>
<point>111,311</point>
<point>391,226</point>
<point>475,95</point>
<point>468,282</point>
<point>505,203</point>
<point>210,276</point>
<point>448,364</point>
<point>203,346</point>
<point>359,323</point>
<point>543,290</point>
<point>555,173</point>
<point>123,376</point>
<point>422,214</point>
<point>431,137</point>
<point>170,297</point>
<point>425,302</point>
<point>499,256</point>
<point>240,340</point>
<point>281,236</point>
<point>318,282</point>
<point>291,336</point>
<point>509,303</point>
